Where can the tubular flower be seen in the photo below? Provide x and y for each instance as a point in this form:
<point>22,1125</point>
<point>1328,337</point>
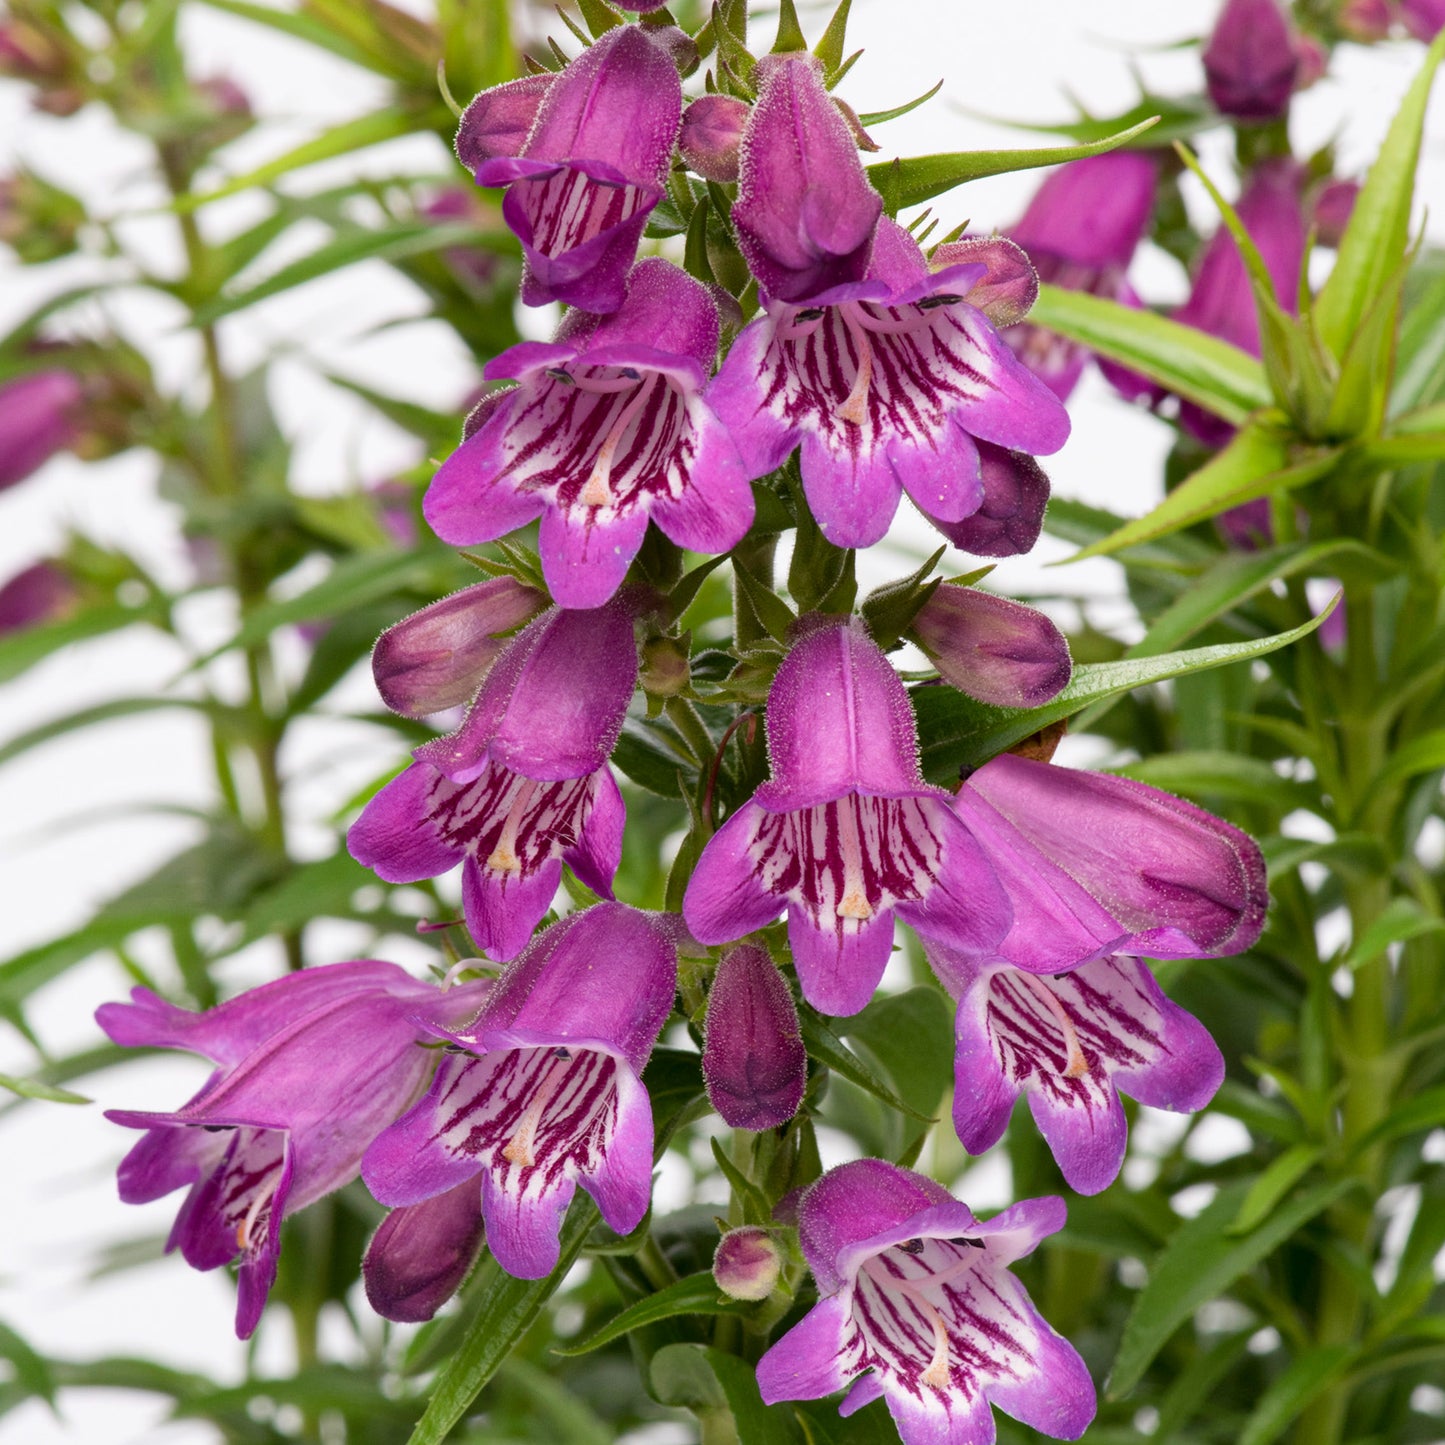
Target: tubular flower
<point>1220,301</point>
<point>917,1292</point>
<point>753,1059</point>
<point>310,1069</point>
<point>1095,865</point>
<point>886,382</point>
<point>1072,1042</point>
<point>37,419</point>
<point>592,168</point>
<point>846,832</point>
<point>1252,60</point>
<point>607,427</point>
<point>1080,231</point>
<point>805,213</point>
<point>997,651</point>
<point>522,786</point>
<point>437,658</point>
<point>548,1093</point>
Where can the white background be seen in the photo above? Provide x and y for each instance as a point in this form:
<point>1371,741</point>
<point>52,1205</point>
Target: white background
<point>69,833</point>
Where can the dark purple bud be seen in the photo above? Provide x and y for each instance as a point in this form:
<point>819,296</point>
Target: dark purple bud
<point>1250,62</point>
<point>805,213</point>
<point>1424,19</point>
<point>1015,493</point>
<point>747,1264</point>
<point>36,421</point>
<point>1248,527</point>
<point>1010,286</point>
<point>997,651</point>
<point>712,132</point>
<point>1314,60</point>
<point>43,592</point>
<point>421,1254</point>
<point>437,658</point>
<point>1332,210</point>
<point>497,122</point>
<point>753,1060</point>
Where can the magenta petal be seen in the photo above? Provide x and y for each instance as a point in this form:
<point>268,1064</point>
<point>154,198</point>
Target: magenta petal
<point>715,509</point>
<point>621,1180</point>
<point>498,120</point>
<point>1091,212</point>
<point>1009,286</point>
<point>471,499</point>
<point>523,1227</point>
<point>812,1360</point>
<point>852,494</point>
<point>1191,1070</point>
<point>412,1161</point>
<point>1251,61</point>
<point>1087,1135</point>
<point>725,898</point>
<point>163,1160</point>
<point>584,558</point>
<point>997,651</point>
<point>1011,515</point>
<point>503,909</point>
<point>1057,1396</point>
<point>395,835</point>
<point>739,395</point>
<point>37,419</point>
<point>420,1255</point>
<point>839,968</point>
<point>595,857</point>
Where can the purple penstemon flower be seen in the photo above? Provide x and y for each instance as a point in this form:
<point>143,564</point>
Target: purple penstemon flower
<point>1072,1042</point>
<point>607,427</point>
<point>846,832</point>
<point>310,1069</point>
<point>885,382</point>
<point>917,1292</point>
<point>522,786</point>
<point>591,170</point>
<point>37,419</point>
<point>548,1093</point>
<point>1095,865</point>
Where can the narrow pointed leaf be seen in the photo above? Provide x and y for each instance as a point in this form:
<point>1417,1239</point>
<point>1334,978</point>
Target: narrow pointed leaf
<point>36,1089</point>
<point>1308,1374</point>
<point>833,41</point>
<point>696,1294</point>
<point>1419,755</point>
<point>1402,920</point>
<point>1375,239</point>
<point>1270,1187</point>
<point>877,117</point>
<point>790,32</point>
<point>827,1048</point>
<point>920,178</point>
<point>1201,368</point>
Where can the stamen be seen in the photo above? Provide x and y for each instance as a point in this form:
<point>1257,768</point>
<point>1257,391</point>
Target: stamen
<point>1075,1064</point>
<point>855,405</point>
<point>504,856</point>
<point>519,1148</point>
<point>854,903</point>
<point>597,492</point>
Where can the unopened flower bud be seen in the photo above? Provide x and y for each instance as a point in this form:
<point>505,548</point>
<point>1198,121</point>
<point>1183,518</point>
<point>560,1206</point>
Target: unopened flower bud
<point>420,1255</point>
<point>1015,493</point>
<point>437,658</point>
<point>1365,20</point>
<point>42,593</point>
<point>38,221</point>
<point>665,666</point>
<point>712,131</point>
<point>1332,210</point>
<point>37,419</point>
<point>1250,62</point>
<point>1009,287</point>
<point>496,123</point>
<point>747,1264</point>
<point>753,1060</point>
<point>679,45</point>
<point>1424,19</point>
<point>997,651</point>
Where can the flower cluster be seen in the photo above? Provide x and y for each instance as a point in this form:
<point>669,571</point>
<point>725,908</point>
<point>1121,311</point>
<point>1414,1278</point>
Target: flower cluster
<point>869,368</point>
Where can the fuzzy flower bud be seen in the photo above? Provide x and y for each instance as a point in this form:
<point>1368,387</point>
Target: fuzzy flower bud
<point>1251,62</point>
<point>1424,19</point>
<point>1009,286</point>
<point>753,1059</point>
<point>1008,523</point>
<point>747,1264</point>
<point>43,592</point>
<point>497,121</point>
<point>712,132</point>
<point>36,421</point>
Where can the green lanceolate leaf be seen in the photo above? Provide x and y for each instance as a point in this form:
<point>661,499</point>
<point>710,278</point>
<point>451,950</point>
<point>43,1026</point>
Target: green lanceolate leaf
<point>36,1089</point>
<point>103,712</point>
<point>1219,377</point>
<point>1374,242</point>
<point>1200,1263</point>
<point>502,1310</point>
<point>696,1294</point>
<point>1308,1374</point>
<point>1402,920</point>
<point>955,732</point>
<point>920,178</point>
<point>1270,1187</point>
<point>827,1048</point>
<point>1425,1111</point>
<point>1258,462</point>
<point>877,117</point>
<point>712,1383</point>
<point>1419,755</point>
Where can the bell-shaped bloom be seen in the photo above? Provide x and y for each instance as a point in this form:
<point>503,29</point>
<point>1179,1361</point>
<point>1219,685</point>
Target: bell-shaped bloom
<point>592,168</point>
<point>548,1092</point>
<point>747,1263</point>
<point>522,786</point>
<point>1252,61</point>
<point>846,832</point>
<point>498,121</point>
<point>1096,865</point>
<point>997,651</point>
<point>885,383</point>
<point>37,419</point>
<point>43,592</point>
<point>1080,231</point>
<point>309,1070</point>
<point>437,658</point>
<point>805,212</point>
<point>1220,301</point>
<point>419,1256</point>
<point>710,141</point>
<point>753,1060</point>
<point>1424,19</point>
<point>1011,515</point>
<point>607,427</point>
<point>918,1292</point>
<point>1072,1042</point>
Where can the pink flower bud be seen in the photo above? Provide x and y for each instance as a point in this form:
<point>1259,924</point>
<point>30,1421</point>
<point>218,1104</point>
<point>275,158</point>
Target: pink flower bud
<point>1332,209</point>
<point>747,1264</point>
<point>1424,19</point>
<point>1250,62</point>
<point>496,123</point>
<point>41,593</point>
<point>712,131</point>
<point>1010,287</point>
<point>36,421</point>
<point>753,1060</point>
